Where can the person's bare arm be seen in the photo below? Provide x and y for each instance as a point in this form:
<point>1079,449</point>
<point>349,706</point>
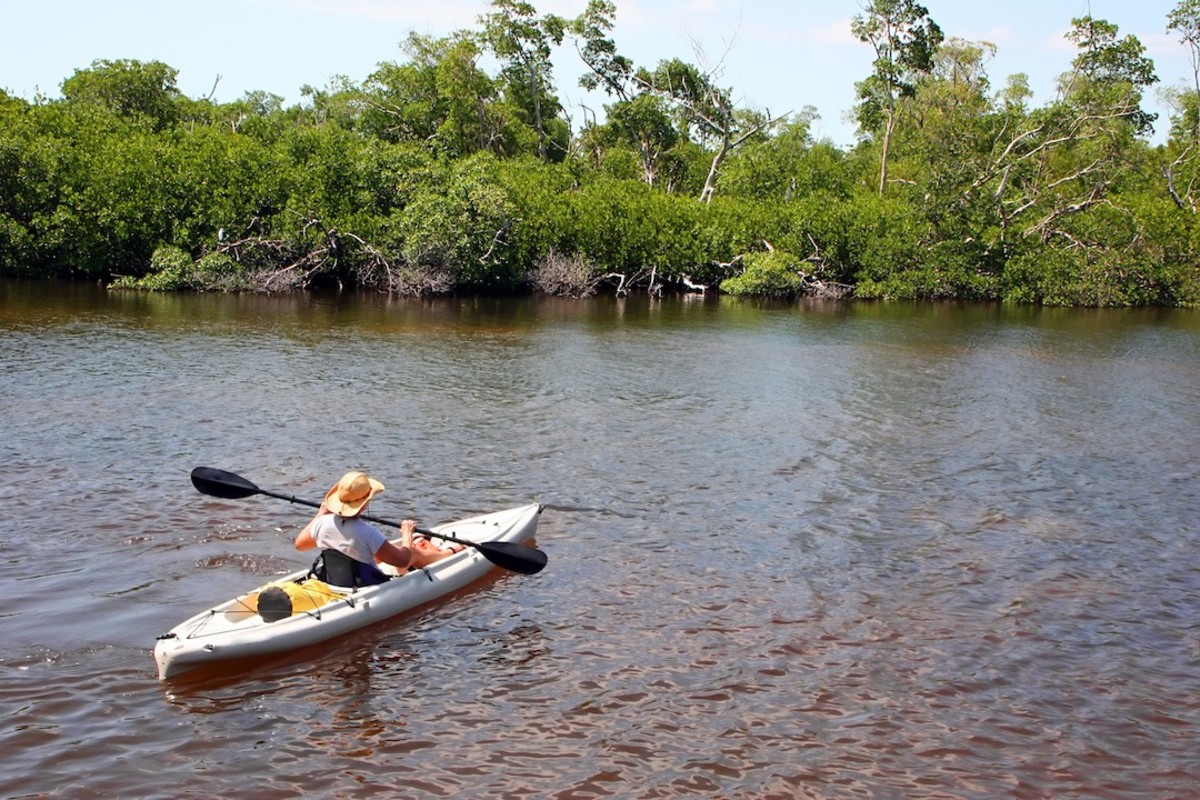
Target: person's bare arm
<point>304,539</point>
<point>399,556</point>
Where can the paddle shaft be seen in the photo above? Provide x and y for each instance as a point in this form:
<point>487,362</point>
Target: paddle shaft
<point>509,555</point>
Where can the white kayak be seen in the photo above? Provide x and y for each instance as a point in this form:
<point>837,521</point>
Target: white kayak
<point>235,629</point>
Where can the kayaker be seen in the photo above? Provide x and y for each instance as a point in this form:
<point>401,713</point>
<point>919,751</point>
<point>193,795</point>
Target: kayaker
<point>336,526</point>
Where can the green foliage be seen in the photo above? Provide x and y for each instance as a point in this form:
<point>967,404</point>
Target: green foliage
<point>456,169</point>
<point>786,166</point>
<point>905,40</point>
<point>127,88</point>
<point>523,42</point>
<point>461,227</point>
<point>817,227</point>
<point>172,269</point>
<point>899,254</point>
<point>609,70</point>
<point>1140,256</point>
<point>770,274</point>
<point>620,224</point>
<point>1109,73</point>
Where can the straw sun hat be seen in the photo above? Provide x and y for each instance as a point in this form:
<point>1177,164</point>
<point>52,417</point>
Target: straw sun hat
<point>352,493</point>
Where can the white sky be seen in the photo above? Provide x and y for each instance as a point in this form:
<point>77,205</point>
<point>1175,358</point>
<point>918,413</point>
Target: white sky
<point>781,55</point>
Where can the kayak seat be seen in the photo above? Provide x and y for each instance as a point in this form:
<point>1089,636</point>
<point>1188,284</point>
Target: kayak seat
<point>339,569</point>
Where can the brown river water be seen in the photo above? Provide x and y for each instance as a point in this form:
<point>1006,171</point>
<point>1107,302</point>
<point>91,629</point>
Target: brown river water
<point>829,551</point>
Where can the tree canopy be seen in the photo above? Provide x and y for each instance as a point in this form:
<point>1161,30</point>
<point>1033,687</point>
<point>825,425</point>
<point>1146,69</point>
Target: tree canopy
<point>457,168</point>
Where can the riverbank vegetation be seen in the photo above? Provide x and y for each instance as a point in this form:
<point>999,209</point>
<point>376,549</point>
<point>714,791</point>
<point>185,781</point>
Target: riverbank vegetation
<point>434,174</point>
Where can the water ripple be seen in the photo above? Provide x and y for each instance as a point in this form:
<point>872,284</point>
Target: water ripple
<point>866,551</point>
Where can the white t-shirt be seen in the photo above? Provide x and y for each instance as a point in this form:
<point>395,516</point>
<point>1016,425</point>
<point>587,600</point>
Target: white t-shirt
<point>348,535</point>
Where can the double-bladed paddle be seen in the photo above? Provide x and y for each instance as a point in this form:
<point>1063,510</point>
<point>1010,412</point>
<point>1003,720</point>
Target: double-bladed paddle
<point>509,555</point>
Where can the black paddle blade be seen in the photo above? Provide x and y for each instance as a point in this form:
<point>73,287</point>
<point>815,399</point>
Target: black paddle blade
<point>513,556</point>
<point>219,483</point>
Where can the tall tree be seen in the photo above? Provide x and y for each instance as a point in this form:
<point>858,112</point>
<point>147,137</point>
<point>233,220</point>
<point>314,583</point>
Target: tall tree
<point>523,42</point>
<point>1109,74</point>
<point>905,40</point>
<point>608,69</point>
<point>706,109</point>
<point>788,165</point>
<point>403,99</point>
<point>1184,142</point>
<point>442,99</point>
<point>954,120</point>
<point>701,106</point>
<point>644,124</point>
<point>475,117</point>
<point>1184,20</point>
<point>634,118</point>
<point>1063,177</point>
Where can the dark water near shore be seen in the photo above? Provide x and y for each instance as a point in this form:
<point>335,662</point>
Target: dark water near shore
<point>866,551</point>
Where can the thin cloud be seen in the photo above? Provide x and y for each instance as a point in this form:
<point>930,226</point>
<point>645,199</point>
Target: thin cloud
<point>834,33</point>
<point>444,14</point>
<point>1000,35</point>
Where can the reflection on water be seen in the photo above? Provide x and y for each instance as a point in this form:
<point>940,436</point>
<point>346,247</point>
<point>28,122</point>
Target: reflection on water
<point>795,551</point>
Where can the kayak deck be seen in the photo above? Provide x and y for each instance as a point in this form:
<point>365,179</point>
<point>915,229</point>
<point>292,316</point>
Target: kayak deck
<point>235,629</point>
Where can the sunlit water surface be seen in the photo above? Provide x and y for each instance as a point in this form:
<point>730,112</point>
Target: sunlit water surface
<point>919,551</point>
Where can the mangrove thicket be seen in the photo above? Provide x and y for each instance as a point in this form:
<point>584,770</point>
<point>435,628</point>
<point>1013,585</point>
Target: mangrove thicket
<point>456,168</point>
